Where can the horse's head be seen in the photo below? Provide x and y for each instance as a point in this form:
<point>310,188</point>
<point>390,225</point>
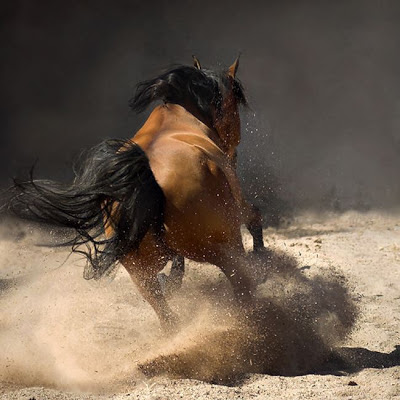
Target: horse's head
<point>212,97</point>
<point>225,112</point>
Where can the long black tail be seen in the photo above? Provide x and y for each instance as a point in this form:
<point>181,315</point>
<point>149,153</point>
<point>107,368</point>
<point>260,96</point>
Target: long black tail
<point>114,186</point>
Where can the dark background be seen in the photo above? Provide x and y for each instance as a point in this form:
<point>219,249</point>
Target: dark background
<point>322,79</point>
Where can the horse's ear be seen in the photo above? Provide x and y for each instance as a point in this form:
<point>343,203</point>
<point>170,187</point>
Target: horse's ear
<point>233,68</point>
<point>196,62</point>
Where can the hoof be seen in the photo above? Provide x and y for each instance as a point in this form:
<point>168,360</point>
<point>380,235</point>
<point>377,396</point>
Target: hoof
<point>262,250</point>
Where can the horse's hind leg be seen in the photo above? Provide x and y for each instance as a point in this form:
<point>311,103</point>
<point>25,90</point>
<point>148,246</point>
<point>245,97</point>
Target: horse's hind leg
<point>143,267</point>
<point>233,264</point>
<point>150,289</point>
<point>253,221</point>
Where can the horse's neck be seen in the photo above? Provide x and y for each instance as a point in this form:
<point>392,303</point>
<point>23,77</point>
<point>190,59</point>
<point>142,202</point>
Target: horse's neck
<point>228,128</point>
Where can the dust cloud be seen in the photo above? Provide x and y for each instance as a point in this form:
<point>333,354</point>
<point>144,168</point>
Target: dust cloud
<point>58,330</point>
<point>291,329</point>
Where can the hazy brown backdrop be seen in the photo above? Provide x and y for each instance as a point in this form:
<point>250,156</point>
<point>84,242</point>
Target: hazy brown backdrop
<point>322,77</point>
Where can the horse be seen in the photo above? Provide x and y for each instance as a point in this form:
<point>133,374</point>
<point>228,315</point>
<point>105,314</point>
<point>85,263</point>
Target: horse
<point>169,192</point>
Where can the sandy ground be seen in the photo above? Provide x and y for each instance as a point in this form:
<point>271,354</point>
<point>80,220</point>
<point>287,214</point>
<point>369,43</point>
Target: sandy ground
<point>62,337</point>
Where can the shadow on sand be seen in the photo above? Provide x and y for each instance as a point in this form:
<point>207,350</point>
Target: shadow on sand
<point>347,360</point>
<point>341,362</point>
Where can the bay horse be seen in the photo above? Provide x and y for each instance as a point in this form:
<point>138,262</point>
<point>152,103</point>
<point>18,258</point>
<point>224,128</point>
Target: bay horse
<point>169,192</point>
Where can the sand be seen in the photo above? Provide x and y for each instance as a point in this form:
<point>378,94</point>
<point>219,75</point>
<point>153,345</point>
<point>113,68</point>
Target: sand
<point>325,326</point>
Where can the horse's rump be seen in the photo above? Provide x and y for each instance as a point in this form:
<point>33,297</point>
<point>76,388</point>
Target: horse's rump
<point>201,210</point>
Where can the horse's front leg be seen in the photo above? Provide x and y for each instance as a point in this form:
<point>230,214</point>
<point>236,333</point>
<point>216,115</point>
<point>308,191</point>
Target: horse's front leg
<point>253,222</point>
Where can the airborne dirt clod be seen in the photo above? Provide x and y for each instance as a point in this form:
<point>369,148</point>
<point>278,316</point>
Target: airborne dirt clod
<point>61,336</point>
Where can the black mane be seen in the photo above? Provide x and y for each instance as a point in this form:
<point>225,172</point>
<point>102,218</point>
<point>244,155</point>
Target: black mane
<point>181,85</point>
